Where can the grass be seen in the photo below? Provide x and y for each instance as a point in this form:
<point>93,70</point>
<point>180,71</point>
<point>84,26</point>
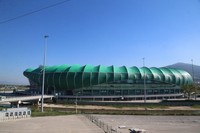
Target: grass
<point>140,106</point>
<point>1,108</point>
<point>196,106</point>
<point>159,110</point>
<point>119,105</point>
<point>49,112</point>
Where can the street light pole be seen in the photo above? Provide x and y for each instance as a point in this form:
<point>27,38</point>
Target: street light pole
<point>193,77</point>
<point>192,70</point>
<point>144,80</point>
<point>43,79</point>
<point>76,102</point>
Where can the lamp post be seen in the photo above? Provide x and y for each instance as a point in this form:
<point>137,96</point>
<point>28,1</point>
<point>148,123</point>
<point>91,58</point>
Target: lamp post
<point>144,80</point>
<point>76,102</point>
<point>193,76</point>
<point>192,69</point>
<point>43,78</point>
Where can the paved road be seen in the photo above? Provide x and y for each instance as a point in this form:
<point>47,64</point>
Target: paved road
<point>153,124</point>
<point>53,124</point>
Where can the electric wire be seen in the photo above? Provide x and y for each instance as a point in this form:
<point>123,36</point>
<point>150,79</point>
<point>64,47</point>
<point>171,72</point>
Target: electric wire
<point>32,12</point>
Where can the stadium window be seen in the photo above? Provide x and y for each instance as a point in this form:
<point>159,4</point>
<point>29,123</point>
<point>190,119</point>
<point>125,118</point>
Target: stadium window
<point>171,91</point>
<point>138,92</point>
<point>125,92</point>
<point>155,91</point>
<point>166,91</point>
<point>131,92</point>
<point>150,91</point>
<point>176,90</point>
<point>161,91</point>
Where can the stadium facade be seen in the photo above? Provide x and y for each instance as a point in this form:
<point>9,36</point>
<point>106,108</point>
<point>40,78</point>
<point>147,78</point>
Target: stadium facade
<point>101,81</point>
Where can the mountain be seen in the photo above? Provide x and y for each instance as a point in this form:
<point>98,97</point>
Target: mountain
<point>188,68</point>
<point>9,83</point>
<point>5,82</point>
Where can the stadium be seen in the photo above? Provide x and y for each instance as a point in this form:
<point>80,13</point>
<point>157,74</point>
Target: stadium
<point>109,83</point>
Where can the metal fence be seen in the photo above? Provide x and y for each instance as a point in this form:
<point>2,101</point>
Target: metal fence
<point>104,126</point>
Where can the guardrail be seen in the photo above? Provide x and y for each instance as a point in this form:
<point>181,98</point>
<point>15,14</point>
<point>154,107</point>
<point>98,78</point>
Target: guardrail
<point>104,126</point>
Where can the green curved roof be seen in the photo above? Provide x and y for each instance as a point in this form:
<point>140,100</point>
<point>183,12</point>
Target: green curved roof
<point>76,76</point>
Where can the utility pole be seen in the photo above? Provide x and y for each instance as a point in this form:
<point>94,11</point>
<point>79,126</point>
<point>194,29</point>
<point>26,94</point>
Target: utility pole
<point>192,70</point>
<point>193,78</point>
<point>76,102</point>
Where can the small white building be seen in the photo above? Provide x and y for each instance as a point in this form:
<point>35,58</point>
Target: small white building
<point>14,113</point>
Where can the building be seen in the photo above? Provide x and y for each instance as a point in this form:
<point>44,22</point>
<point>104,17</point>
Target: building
<point>109,82</point>
<point>14,113</point>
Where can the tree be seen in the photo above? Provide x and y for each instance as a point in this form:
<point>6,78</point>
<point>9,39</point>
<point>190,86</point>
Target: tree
<point>198,90</point>
<point>189,89</point>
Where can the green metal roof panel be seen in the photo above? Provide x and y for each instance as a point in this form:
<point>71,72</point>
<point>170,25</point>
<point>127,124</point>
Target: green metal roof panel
<point>88,68</point>
<point>56,79</point>
<point>147,72</point>
<point>124,73</point>
<point>50,81</point>
<point>102,69</point>
<point>79,79</point>
<point>51,69</point>
<point>169,76</point>
<point>76,76</point>
<point>186,76</point>
<point>110,69</point>
<point>102,78</point>
<point>63,80</point>
<point>117,69</point>
<point>141,72</point>
<point>96,68</point>
<point>71,79</point>
<point>75,68</point>
<point>86,79</point>
<point>38,70</point>
<point>123,69</point>
<point>136,72</point>
<point>157,73</point>
<point>29,70</point>
<point>94,78</point>
<point>61,68</point>
<point>178,77</point>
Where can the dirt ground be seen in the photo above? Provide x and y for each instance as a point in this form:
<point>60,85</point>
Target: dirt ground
<point>79,123</point>
<point>115,108</point>
<point>53,124</point>
<point>153,124</point>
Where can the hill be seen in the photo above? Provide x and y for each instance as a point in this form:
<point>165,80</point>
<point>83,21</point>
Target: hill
<point>188,68</point>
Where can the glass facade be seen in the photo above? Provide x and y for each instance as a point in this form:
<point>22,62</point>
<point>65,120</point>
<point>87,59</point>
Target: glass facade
<point>128,88</point>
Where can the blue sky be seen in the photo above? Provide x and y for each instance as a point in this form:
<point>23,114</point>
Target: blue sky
<point>107,32</point>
